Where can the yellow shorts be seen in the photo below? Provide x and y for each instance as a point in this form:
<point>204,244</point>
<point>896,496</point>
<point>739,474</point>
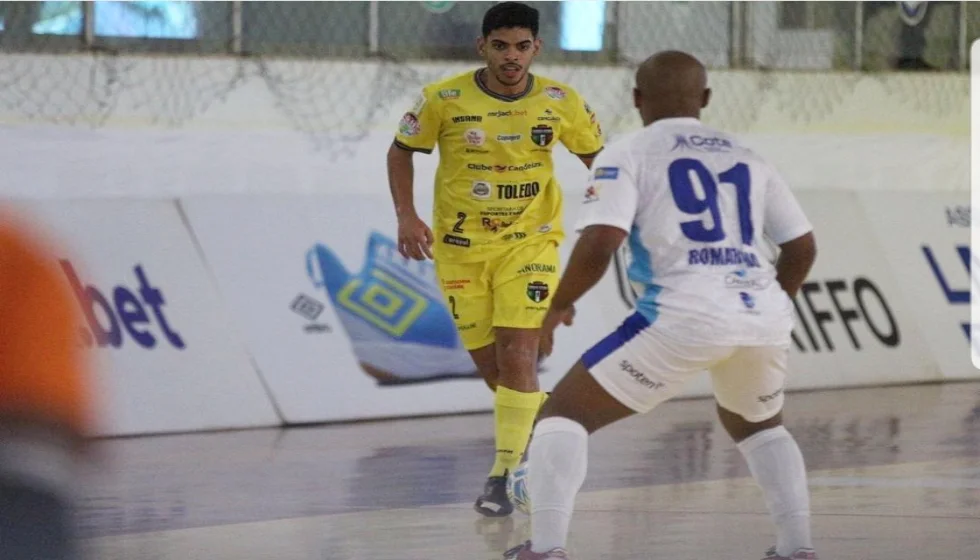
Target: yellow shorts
<point>512,290</point>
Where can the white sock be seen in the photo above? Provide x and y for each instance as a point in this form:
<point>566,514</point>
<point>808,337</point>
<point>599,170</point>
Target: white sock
<point>777,465</point>
<point>556,465</point>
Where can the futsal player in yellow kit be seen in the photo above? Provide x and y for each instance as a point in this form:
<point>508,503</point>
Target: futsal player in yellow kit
<point>497,220</point>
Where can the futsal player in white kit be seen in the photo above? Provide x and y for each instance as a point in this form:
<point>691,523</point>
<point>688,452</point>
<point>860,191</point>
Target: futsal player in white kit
<point>693,205</point>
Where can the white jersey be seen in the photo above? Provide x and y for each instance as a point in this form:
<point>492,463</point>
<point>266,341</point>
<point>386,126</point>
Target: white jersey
<point>696,205</point>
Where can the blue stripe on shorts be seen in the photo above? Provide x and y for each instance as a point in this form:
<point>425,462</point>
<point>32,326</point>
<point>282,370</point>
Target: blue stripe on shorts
<point>626,332</point>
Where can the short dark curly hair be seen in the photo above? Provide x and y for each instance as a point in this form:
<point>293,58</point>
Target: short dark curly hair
<point>508,15</point>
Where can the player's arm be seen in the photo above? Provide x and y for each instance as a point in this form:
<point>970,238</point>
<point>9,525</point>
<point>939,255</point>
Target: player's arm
<point>587,160</point>
<point>418,131</point>
<point>796,257</point>
<point>583,135</point>
<point>590,258</point>
<point>401,180</point>
<point>606,219</point>
<point>787,226</point>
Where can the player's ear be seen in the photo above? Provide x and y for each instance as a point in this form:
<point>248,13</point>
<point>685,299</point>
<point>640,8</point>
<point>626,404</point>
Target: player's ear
<point>481,45</point>
<point>538,44</point>
<point>706,98</point>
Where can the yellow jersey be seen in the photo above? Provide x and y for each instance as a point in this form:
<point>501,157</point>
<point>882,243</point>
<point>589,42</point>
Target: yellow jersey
<point>495,187</point>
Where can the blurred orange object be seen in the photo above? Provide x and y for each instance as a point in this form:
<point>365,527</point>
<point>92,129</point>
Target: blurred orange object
<point>44,376</point>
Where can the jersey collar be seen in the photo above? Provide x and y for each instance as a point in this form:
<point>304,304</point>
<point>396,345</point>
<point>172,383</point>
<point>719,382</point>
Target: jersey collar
<point>675,120</point>
<point>509,98</point>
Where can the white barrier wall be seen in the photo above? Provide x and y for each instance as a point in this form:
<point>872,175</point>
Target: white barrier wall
<point>854,324</point>
<point>926,239</point>
<point>168,356</point>
<point>195,308</point>
<point>860,322</point>
<point>237,269</point>
<point>329,309</point>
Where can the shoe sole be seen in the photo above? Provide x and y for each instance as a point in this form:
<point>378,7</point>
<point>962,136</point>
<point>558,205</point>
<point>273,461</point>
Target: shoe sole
<point>490,513</point>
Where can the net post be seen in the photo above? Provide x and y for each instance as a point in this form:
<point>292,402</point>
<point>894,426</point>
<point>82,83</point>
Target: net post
<point>858,36</point>
<point>88,23</point>
<point>611,30</point>
<point>962,41</point>
<point>374,27</point>
<point>236,27</point>
<point>736,53</point>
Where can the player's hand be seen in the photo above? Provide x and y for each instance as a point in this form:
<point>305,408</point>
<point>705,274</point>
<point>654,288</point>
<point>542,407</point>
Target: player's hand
<point>414,238</point>
<point>554,318</point>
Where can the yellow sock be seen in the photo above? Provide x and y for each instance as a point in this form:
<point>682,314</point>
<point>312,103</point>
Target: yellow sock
<point>513,414</point>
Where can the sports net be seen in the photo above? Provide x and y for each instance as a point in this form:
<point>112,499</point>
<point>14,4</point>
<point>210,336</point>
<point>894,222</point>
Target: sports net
<point>335,71</point>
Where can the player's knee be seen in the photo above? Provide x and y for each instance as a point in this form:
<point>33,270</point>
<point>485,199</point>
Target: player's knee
<point>490,378</point>
<point>740,428</point>
<point>489,372</point>
<point>517,351</point>
<point>485,359</point>
<point>548,409</point>
<point>577,397</point>
<point>559,407</point>
<point>554,424</point>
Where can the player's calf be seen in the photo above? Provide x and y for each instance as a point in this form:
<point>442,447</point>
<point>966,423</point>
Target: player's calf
<point>517,401</point>
<point>517,358</point>
<point>558,456</point>
<point>776,463</point>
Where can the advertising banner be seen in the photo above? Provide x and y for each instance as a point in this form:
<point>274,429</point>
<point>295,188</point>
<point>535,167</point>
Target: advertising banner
<point>340,325</point>
<point>168,358</point>
<point>926,239</point>
<point>854,324</point>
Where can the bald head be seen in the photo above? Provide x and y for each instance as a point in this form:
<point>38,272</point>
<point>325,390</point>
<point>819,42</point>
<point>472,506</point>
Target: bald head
<point>670,84</point>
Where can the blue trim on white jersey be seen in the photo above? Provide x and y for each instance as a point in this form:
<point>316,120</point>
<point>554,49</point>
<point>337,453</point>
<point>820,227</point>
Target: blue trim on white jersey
<point>626,332</point>
<point>641,272</point>
<point>647,303</point>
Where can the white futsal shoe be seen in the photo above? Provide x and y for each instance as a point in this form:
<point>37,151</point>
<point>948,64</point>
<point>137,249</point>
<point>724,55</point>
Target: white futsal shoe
<point>801,554</point>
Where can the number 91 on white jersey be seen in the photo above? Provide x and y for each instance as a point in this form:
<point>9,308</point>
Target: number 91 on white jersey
<point>701,212</point>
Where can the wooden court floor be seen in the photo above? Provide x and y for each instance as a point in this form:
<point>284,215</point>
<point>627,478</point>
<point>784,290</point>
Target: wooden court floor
<point>894,474</point>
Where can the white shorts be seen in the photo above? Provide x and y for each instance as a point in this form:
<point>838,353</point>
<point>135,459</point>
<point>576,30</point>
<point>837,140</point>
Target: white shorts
<point>641,368</point>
